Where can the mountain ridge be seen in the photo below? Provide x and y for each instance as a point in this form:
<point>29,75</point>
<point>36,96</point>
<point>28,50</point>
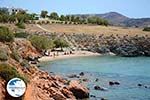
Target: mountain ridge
<point>118,19</point>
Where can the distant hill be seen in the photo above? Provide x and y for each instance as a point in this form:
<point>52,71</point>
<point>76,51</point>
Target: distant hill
<point>118,19</point>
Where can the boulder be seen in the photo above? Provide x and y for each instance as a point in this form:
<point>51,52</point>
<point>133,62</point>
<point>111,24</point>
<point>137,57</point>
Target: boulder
<point>117,83</point>
<point>73,76</point>
<point>111,83</point>
<point>96,80</point>
<point>100,88</point>
<point>79,91</point>
<point>139,84</point>
<point>81,74</point>
<point>114,83</point>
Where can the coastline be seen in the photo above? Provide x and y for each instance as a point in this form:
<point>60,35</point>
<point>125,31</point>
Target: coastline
<point>75,54</point>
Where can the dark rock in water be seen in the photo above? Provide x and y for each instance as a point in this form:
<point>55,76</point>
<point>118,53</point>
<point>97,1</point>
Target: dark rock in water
<point>117,83</point>
<point>85,79</point>
<point>93,96</point>
<point>33,62</point>
<point>145,86</point>
<point>111,83</point>
<point>99,88</point>
<point>96,80</point>
<point>114,83</point>
<point>104,99</point>
<point>73,76</point>
<point>81,74</point>
<point>139,84</point>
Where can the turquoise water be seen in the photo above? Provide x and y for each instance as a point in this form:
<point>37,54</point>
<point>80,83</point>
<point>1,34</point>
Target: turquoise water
<point>128,71</point>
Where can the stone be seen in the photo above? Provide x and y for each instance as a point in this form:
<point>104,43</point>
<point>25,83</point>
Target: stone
<point>139,84</point>
<point>111,83</point>
<point>93,96</point>
<point>73,76</point>
<point>117,83</point>
<point>100,88</point>
<point>81,74</point>
<point>79,91</point>
<point>96,80</point>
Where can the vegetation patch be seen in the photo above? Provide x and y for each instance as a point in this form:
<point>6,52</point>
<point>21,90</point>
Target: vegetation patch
<point>41,42</point>
<point>3,54</point>
<point>25,63</point>
<point>60,43</point>
<point>21,35</point>
<point>15,55</point>
<point>21,25</point>
<point>5,35</point>
<point>146,29</point>
<point>8,72</point>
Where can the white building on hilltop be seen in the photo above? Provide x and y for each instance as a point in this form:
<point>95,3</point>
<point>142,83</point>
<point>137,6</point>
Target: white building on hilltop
<point>12,10</point>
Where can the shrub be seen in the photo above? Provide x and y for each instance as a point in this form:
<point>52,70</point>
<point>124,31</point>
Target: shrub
<point>39,23</point>
<point>60,43</point>
<point>5,35</point>
<point>15,55</point>
<point>8,72</point>
<point>146,29</point>
<point>3,54</point>
<point>25,63</point>
<point>41,42</point>
<point>20,25</point>
<point>21,35</point>
<point>66,22</point>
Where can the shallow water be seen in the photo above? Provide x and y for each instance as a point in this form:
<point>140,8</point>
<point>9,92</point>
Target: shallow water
<point>128,71</point>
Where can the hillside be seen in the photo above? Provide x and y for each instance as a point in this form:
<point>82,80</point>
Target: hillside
<point>87,29</point>
<point>118,19</point>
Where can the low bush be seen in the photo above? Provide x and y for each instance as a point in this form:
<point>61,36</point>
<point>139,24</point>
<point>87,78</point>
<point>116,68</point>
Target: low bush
<point>25,63</point>
<point>3,54</point>
<point>8,72</point>
<point>21,35</point>
<point>21,25</point>
<point>60,43</point>
<point>41,42</point>
<point>146,29</point>
<point>5,35</point>
<point>15,55</point>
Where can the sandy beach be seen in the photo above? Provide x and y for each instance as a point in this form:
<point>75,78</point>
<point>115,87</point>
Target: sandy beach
<point>62,56</point>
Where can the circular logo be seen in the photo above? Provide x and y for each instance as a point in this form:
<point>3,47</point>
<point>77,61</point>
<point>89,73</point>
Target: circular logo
<point>16,87</point>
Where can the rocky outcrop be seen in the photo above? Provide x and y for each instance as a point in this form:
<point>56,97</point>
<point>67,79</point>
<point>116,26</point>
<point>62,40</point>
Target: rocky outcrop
<point>79,91</point>
<point>2,89</point>
<point>128,46</point>
<point>46,87</point>
<point>41,85</point>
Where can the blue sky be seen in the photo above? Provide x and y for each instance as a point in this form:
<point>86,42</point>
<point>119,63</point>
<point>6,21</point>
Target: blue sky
<point>130,8</point>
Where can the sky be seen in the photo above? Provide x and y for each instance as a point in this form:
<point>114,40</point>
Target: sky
<point>130,8</point>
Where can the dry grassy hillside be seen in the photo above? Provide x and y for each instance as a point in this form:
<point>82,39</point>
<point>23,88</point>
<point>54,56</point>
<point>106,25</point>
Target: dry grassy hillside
<point>89,29</point>
<point>94,29</point>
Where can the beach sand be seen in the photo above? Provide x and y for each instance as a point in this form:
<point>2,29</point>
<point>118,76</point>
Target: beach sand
<point>62,56</point>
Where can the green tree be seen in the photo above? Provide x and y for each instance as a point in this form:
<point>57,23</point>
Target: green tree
<point>67,18</point>
<point>62,18</point>
<point>54,15</point>
<point>72,18</point>
<point>44,14</point>
<point>77,19</point>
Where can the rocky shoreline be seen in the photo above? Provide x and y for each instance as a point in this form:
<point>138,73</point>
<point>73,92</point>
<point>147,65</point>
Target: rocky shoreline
<point>126,46</point>
<point>40,85</point>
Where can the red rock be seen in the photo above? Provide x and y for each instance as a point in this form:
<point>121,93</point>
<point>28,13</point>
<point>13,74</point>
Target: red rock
<point>79,91</point>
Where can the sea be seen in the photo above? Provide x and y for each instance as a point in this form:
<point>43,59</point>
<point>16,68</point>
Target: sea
<point>100,70</point>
